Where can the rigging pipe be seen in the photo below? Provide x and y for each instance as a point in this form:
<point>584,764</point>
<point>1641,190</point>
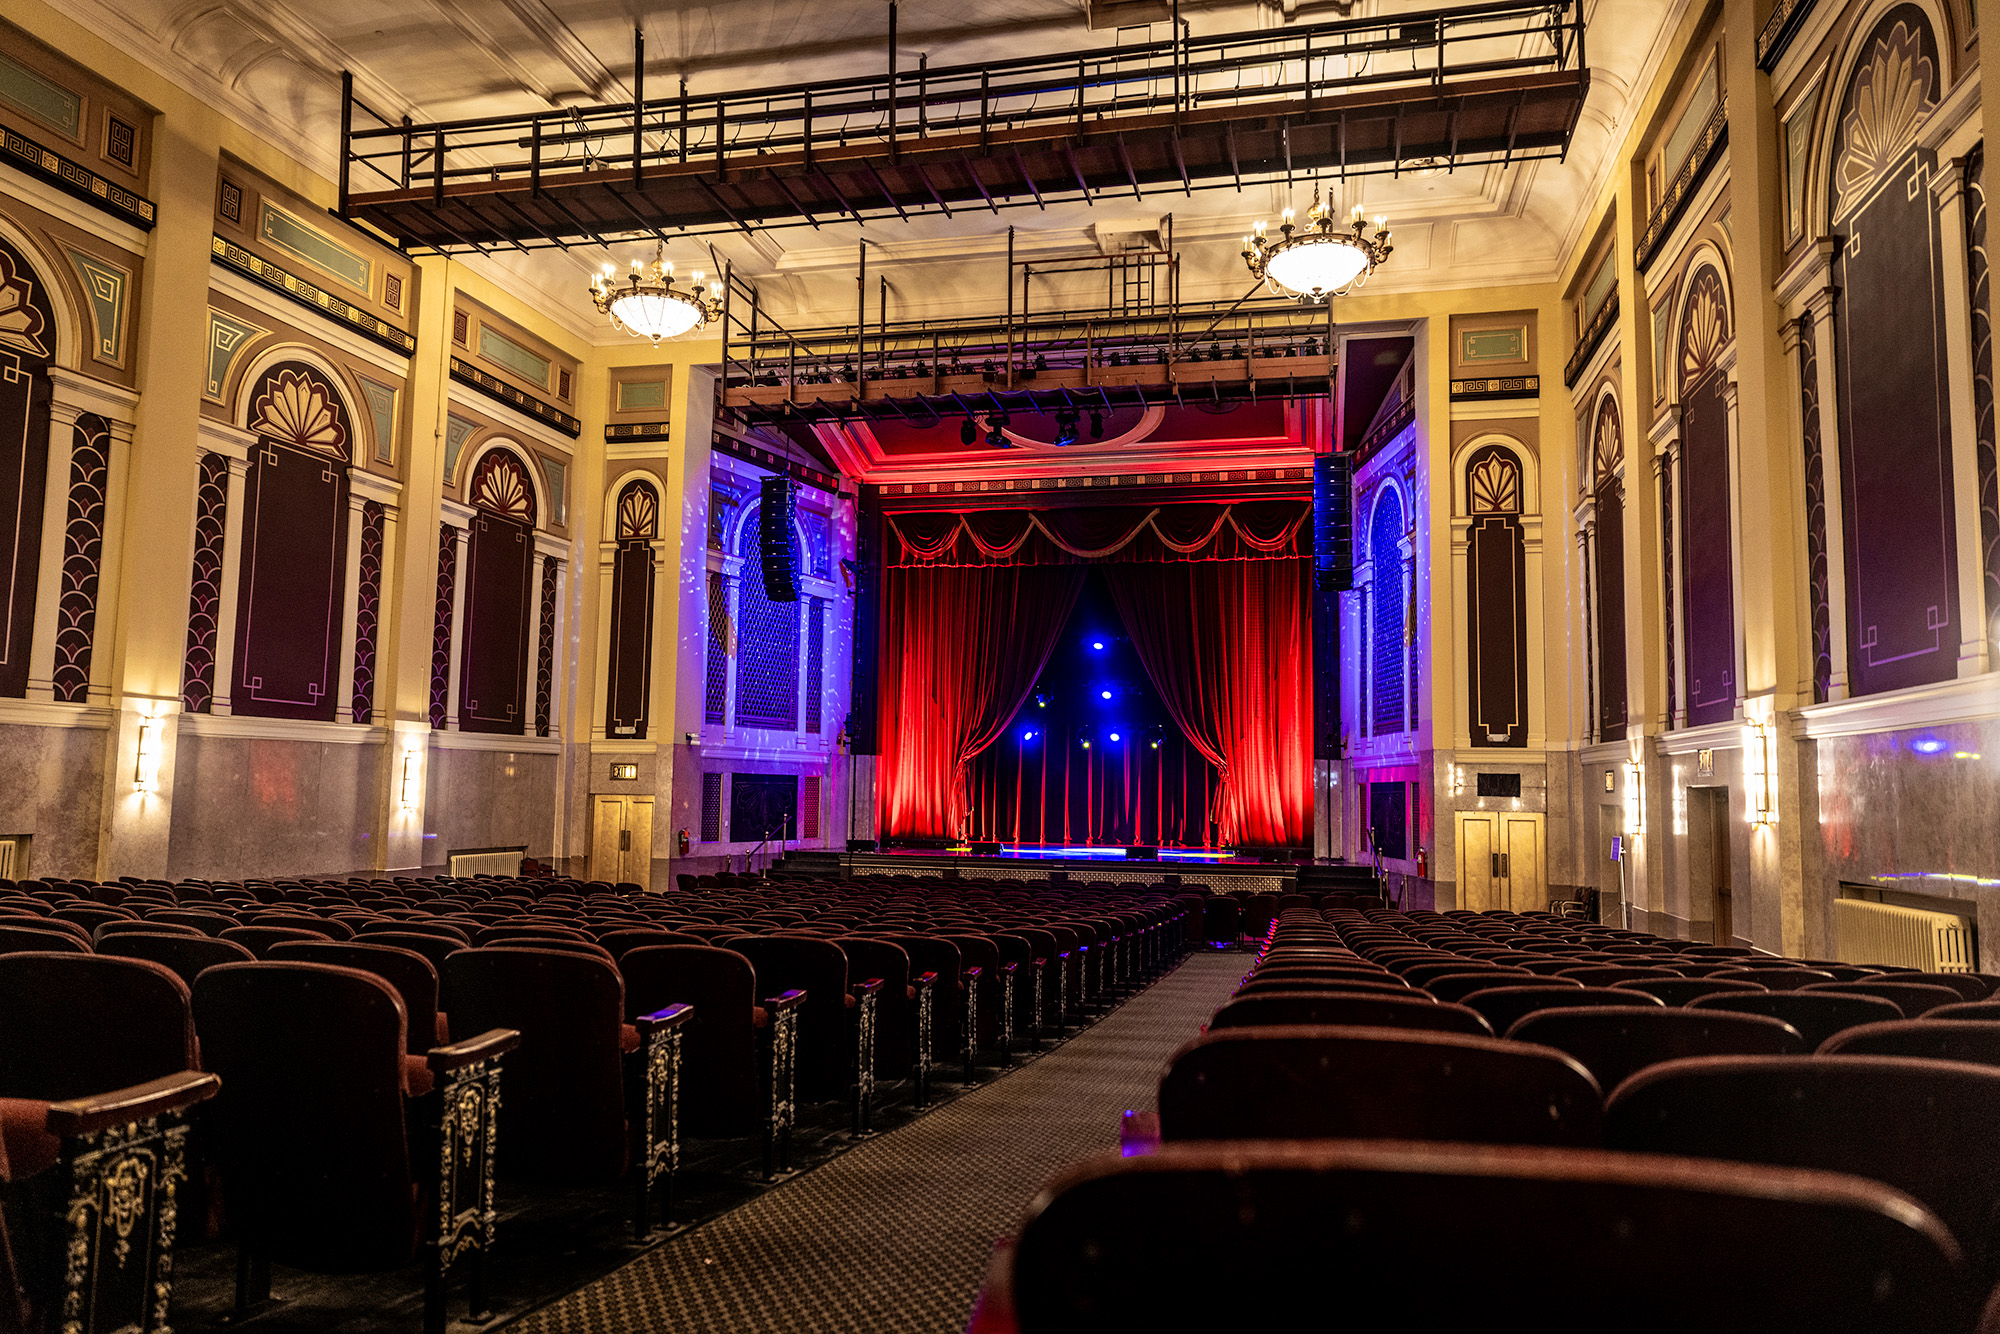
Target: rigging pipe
<point>638,106</point>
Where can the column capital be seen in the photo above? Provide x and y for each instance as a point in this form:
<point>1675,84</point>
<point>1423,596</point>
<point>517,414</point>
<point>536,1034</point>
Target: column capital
<point>79,393</point>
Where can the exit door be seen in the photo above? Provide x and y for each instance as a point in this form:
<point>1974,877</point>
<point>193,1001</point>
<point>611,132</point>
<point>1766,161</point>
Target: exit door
<point>621,840</point>
<point>1500,861</point>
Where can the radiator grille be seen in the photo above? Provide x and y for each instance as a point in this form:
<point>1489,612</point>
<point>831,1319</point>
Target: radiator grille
<point>1869,932</point>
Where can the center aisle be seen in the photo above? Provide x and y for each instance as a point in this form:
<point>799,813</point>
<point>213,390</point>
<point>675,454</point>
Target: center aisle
<point>893,1236</point>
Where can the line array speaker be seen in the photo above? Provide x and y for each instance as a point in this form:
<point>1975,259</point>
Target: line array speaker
<point>1333,522</point>
<point>777,539</point>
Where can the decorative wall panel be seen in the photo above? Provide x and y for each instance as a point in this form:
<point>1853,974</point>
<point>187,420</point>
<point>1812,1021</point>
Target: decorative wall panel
<point>763,806</point>
<point>630,672</point>
<point>815,663</point>
<point>715,692</point>
<point>1667,522</point>
<point>1896,483</point>
<point>1815,464</point>
<point>1709,599</point>
<point>809,807</point>
<point>1981,281</point>
<point>289,609</point>
<point>1497,600</point>
<point>1607,457</point>
<point>545,654</point>
<point>711,808</point>
<point>211,502</point>
<point>493,662</point>
<point>447,585</point>
<point>83,557</point>
<point>27,330</point>
<point>767,658</point>
<point>367,611</point>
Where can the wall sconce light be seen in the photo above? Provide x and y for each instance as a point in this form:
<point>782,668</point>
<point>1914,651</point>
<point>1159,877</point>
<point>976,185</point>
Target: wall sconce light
<point>146,765</point>
<point>1635,800</point>
<point>409,793</point>
<point>1759,759</point>
<point>1457,780</point>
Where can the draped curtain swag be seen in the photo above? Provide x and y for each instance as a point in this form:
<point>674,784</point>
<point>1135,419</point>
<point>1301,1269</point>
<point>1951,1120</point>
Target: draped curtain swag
<point>1245,530</point>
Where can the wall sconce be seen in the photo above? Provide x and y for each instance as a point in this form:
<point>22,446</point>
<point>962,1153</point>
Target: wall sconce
<point>1635,800</point>
<point>409,792</point>
<point>1457,780</point>
<point>1759,759</point>
<point>146,765</point>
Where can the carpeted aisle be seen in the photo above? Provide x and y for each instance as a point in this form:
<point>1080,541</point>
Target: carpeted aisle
<point>893,1236</point>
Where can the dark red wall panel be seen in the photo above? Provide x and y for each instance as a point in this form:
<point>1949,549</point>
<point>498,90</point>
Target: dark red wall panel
<point>493,664</point>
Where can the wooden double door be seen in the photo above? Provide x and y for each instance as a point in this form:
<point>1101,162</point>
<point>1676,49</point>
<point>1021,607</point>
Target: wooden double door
<point>1500,862</point>
<point>621,840</point>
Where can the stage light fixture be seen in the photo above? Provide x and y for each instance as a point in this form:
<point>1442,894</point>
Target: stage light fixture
<point>1066,428</point>
<point>1041,362</point>
<point>1105,693</point>
<point>996,431</point>
<point>1097,644</point>
<point>1116,737</point>
<point>1096,426</point>
<point>968,431</point>
<point>1086,745</point>
<point>1156,745</point>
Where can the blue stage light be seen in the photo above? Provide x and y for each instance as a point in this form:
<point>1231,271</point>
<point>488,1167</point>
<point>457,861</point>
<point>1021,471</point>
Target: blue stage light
<point>1105,693</point>
<point>1116,737</point>
<point>1097,644</point>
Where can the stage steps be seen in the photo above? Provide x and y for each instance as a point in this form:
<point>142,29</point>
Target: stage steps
<point>1338,877</point>
<point>807,864</point>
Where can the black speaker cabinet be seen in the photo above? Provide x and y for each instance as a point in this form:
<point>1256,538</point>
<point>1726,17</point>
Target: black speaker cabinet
<point>986,849</point>
<point>1141,853</point>
<point>1333,522</point>
<point>777,540</point>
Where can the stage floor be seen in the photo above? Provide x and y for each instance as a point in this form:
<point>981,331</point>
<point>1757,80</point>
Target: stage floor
<point>1093,852</point>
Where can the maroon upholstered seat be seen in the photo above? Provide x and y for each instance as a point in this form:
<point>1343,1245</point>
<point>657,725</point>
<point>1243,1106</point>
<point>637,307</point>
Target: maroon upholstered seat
<point>1353,1082</point>
<point>818,968</point>
<point>185,955</point>
<point>719,1090</point>
<point>1614,1042</point>
<point>410,973</point>
<point>1817,1015</point>
<point>1270,1009</point>
<point>1111,1245</point>
<point>259,939</point>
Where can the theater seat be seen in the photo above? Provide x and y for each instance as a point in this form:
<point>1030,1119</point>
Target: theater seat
<point>1921,1126</point>
<point>1270,1009</point>
<point>1446,1237</point>
<point>186,955</point>
<point>1614,1042</point>
<point>1817,1015</point>
<point>1335,1082</point>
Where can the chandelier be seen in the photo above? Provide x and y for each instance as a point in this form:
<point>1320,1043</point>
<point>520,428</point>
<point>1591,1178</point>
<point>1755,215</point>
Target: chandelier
<point>1321,259</point>
<point>648,305</point>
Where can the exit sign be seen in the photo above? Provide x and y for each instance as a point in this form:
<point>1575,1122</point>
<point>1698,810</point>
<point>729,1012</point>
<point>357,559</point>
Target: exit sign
<point>624,772</point>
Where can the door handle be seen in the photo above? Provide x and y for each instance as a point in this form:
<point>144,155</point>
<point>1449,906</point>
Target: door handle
<point>1495,858</point>
<point>1504,863</point>
<point>624,840</point>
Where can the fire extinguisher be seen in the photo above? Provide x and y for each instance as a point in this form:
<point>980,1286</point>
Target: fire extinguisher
<point>684,842</point>
<point>1423,864</point>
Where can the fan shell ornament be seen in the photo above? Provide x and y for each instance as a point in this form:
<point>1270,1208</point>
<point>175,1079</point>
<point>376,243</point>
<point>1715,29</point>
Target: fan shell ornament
<point>21,325</point>
<point>297,408</point>
<point>501,486</point>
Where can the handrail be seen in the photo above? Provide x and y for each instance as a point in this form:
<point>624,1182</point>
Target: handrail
<point>907,106</point>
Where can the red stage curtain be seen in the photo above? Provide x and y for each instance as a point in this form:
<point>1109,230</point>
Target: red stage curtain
<point>963,647</point>
<point>1229,647</point>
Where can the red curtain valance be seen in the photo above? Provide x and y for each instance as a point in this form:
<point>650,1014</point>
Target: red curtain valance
<point>1244,530</point>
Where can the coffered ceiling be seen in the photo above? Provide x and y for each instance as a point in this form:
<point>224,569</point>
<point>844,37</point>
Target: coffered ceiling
<point>275,64</point>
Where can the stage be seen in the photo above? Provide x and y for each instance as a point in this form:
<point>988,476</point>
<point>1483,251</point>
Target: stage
<point>1194,868</point>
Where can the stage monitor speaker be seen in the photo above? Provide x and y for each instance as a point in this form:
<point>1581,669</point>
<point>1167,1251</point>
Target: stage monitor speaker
<point>861,845</point>
<point>1333,522</point>
<point>777,540</point>
<point>1141,853</point>
<point>986,849</point>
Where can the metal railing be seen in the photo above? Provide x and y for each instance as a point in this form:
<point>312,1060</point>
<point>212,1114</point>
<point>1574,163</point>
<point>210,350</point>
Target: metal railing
<point>1179,77</point>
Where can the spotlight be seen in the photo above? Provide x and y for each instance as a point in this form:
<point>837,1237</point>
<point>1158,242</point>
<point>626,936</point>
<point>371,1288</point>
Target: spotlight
<point>1115,360</point>
<point>1066,428</point>
<point>1105,693</point>
<point>1096,426</point>
<point>1312,347</point>
<point>1214,352</point>
<point>847,373</point>
<point>1156,745</point>
<point>968,431</point>
<point>922,370</point>
<point>1097,644</point>
<point>987,365</point>
<point>1041,701</point>
<point>996,431</point>
<point>1027,736</point>
<point>1116,737</point>
<point>957,366</point>
<point>1041,362</point>
<point>1086,745</point>
<point>1236,352</point>
<point>1161,356</point>
<point>898,372</point>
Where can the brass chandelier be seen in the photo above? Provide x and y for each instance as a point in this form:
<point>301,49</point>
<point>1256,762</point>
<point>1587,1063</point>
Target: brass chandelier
<point>1321,259</point>
<point>648,305</point>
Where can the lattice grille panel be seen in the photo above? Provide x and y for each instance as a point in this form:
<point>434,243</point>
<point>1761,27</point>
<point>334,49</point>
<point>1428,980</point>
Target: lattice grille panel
<point>711,808</point>
<point>809,808</point>
<point>211,500</point>
<point>767,660</point>
<point>715,706</point>
<point>815,662</point>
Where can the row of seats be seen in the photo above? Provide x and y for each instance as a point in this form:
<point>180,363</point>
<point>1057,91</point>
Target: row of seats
<point>1459,1118</point>
<point>386,1009</point>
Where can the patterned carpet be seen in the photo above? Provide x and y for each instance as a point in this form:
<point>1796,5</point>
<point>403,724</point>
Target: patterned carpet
<point>893,1236</point>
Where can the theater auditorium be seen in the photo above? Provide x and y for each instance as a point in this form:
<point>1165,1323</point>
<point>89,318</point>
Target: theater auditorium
<point>876,666</point>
